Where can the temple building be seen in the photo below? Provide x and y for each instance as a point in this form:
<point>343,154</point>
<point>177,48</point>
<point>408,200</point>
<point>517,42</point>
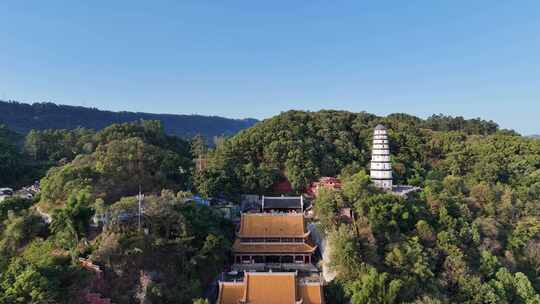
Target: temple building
<point>265,238</point>
<point>282,203</point>
<point>271,288</point>
<point>326,182</point>
<point>381,168</point>
<point>273,257</point>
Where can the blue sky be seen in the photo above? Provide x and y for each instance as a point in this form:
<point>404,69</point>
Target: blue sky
<point>259,58</point>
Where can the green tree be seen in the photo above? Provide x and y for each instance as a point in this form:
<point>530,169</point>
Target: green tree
<point>11,160</point>
<point>374,288</point>
<point>70,223</point>
<point>489,264</point>
<point>410,259</point>
<point>514,288</point>
<point>23,283</point>
<point>326,207</point>
<point>345,256</point>
<point>526,229</point>
<point>18,230</point>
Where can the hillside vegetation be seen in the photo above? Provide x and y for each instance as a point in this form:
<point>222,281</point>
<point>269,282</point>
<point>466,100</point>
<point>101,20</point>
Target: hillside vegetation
<point>22,118</point>
<point>472,235</point>
<point>17,168</point>
<point>303,146</point>
<point>176,251</point>
<point>115,161</point>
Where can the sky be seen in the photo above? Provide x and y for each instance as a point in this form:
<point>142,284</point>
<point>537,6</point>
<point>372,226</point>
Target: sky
<point>259,58</point>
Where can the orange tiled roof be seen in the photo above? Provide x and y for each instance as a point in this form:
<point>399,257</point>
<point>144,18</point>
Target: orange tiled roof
<point>272,225</point>
<point>270,288</point>
<point>230,293</point>
<point>311,293</point>
<point>239,247</point>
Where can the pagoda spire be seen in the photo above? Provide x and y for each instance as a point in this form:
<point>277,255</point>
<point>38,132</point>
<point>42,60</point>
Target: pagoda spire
<point>381,168</point>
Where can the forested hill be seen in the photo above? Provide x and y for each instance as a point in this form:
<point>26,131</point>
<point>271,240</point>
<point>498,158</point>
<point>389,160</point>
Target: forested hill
<point>22,118</point>
<point>303,146</point>
<point>470,235</point>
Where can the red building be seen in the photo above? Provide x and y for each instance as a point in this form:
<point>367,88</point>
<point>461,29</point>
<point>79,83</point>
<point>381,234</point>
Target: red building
<point>324,182</point>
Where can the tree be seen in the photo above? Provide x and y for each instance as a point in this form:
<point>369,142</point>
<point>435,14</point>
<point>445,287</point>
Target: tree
<point>18,230</point>
<point>326,207</point>
<point>70,223</point>
<point>198,146</point>
<point>514,288</point>
<point>425,231</point>
<point>532,255</point>
<point>410,259</point>
<point>125,156</point>
<point>374,288</point>
<point>11,161</point>
<point>454,185</point>
<point>344,257</point>
<point>526,229</point>
<point>58,144</point>
<point>14,204</point>
<point>390,215</point>
<point>185,243</point>
<point>489,264</point>
<point>23,283</point>
<point>356,188</point>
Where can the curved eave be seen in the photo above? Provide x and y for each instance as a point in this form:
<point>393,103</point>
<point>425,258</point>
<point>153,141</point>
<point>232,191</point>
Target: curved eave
<point>241,235</point>
<point>273,248</point>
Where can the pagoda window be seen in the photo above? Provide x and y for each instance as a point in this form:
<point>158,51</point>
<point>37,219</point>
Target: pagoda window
<point>273,240</point>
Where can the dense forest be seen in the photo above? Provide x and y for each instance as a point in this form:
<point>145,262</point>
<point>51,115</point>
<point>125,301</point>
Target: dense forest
<point>17,168</point>
<point>174,252</point>
<point>22,118</point>
<point>303,146</point>
<point>471,235</point>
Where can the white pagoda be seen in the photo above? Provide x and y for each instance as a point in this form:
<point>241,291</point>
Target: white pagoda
<point>381,168</point>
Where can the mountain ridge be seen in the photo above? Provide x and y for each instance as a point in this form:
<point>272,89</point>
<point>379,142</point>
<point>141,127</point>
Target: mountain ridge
<point>23,117</point>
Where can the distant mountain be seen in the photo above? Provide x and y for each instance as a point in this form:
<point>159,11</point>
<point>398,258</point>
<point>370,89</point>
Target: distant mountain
<point>22,117</point>
<point>536,136</point>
